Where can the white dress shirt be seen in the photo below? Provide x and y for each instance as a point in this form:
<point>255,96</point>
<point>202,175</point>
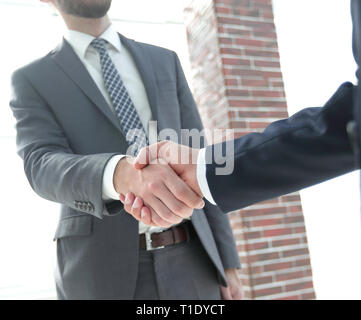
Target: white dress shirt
<point>202,176</point>
<point>129,73</point>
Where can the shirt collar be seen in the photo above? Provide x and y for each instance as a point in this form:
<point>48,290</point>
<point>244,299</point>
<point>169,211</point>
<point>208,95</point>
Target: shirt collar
<point>80,41</point>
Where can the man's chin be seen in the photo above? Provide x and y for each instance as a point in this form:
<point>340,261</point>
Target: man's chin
<point>85,9</point>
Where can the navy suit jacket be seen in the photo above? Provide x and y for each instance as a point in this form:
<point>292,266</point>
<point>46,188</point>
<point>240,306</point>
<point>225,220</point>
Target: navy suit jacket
<point>314,145</point>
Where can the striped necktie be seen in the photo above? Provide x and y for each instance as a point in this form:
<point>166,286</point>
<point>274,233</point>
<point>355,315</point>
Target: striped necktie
<point>129,119</point>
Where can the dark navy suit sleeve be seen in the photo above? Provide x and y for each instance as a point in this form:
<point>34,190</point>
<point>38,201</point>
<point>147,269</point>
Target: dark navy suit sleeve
<point>313,146</point>
<point>310,147</point>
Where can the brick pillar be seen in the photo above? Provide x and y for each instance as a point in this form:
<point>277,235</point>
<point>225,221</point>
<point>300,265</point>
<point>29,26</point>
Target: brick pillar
<point>237,83</point>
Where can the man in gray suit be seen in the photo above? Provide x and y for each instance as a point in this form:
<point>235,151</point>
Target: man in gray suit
<point>78,109</point>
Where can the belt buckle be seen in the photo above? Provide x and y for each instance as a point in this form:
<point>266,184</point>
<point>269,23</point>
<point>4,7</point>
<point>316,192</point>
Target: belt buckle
<point>148,242</point>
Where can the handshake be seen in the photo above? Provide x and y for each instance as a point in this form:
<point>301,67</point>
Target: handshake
<point>160,187</point>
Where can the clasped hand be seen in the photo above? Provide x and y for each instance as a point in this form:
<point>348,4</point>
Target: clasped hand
<point>159,187</point>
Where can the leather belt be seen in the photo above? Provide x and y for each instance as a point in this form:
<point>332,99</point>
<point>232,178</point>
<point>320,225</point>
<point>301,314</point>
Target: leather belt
<point>174,235</point>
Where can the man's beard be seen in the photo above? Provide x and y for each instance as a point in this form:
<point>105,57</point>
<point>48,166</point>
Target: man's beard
<point>85,8</point>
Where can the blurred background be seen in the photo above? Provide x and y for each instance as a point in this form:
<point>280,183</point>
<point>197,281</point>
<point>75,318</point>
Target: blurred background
<point>315,57</point>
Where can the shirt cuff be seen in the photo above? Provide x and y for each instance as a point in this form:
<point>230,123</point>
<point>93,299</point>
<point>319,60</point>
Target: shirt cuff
<point>202,176</point>
<point>109,192</point>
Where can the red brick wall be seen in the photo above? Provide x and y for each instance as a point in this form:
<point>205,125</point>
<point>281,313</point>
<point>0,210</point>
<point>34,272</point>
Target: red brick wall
<point>237,83</point>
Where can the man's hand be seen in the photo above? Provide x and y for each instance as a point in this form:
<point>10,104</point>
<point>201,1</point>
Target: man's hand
<point>234,289</point>
<point>167,198</point>
<point>182,159</point>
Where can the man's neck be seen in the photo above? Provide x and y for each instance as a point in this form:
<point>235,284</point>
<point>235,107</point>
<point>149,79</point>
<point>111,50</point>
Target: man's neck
<point>93,27</point>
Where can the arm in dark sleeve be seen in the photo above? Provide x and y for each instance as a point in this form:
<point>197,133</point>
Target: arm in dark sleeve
<point>219,223</point>
<point>308,148</point>
<point>53,170</point>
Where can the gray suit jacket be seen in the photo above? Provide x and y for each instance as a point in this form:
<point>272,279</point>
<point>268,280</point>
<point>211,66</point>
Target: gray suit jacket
<point>66,134</point>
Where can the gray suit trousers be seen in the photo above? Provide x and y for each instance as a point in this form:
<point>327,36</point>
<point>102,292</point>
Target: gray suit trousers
<point>178,272</point>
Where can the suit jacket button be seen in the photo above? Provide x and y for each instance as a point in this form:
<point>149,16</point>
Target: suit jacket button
<point>91,207</point>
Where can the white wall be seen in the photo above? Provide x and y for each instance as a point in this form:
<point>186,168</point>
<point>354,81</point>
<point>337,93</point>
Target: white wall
<point>316,57</point>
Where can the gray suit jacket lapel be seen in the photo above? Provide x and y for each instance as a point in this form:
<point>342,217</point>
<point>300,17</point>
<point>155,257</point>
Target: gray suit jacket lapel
<point>67,59</point>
